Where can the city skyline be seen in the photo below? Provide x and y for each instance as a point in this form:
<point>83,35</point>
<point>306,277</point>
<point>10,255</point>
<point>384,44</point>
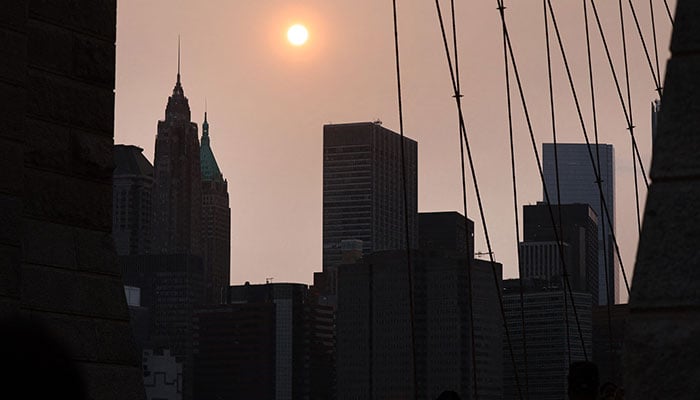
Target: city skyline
<point>301,96</point>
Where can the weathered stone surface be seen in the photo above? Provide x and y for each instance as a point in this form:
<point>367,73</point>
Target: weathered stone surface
<point>667,273</point>
<point>14,14</point>
<point>65,291</point>
<point>11,160</point>
<point>69,200</point>
<point>47,145</point>
<point>69,102</point>
<point>661,350</point>
<point>10,219</point>
<point>13,50</point>
<point>106,382</point>
<point>661,356</point>
<point>98,17</point>
<point>95,252</point>
<point>92,155</point>
<point>46,243</point>
<point>12,107</point>
<point>69,53</point>
<point>677,145</point>
<point>91,339</point>
<point>686,31</point>
<point>10,275</point>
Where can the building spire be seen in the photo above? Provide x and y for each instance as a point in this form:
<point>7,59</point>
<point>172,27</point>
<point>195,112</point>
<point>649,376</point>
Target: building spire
<point>205,124</point>
<point>178,59</point>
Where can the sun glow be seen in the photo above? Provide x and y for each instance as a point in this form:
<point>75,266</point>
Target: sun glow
<point>297,34</point>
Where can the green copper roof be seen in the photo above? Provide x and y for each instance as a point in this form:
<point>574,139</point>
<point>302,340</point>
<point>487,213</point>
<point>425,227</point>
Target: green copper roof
<point>210,169</point>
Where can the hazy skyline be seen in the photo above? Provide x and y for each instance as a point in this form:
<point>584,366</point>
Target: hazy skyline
<point>268,101</point>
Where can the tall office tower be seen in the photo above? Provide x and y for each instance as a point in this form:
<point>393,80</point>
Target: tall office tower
<point>301,327</point>
<point>363,189</point>
<point>546,339</point>
<point>216,223</point>
<point>171,287</point>
<point>177,189</point>
<point>578,231</point>
<point>609,326</point>
<point>235,351</point>
<point>374,344</point>
<point>132,185</point>
<point>577,184</point>
<point>445,231</point>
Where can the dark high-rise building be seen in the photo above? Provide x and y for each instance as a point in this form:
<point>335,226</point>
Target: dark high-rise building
<point>577,184</point>
<point>131,201</point>
<point>234,346</point>
<point>374,347</point>
<point>216,223</point>
<point>609,327</point>
<point>548,314</point>
<point>445,231</point>
<point>177,189</point>
<point>302,338</point>
<point>171,287</point>
<point>578,231</point>
<point>363,189</point>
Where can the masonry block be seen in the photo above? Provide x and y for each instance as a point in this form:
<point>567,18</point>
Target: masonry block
<point>14,14</point>
<point>106,382</point>
<point>686,32</point>
<point>12,108</point>
<point>97,17</point>
<point>68,200</point>
<point>663,259</point>
<point>75,55</point>
<point>47,145</point>
<point>92,155</point>
<point>63,291</point>
<point>10,271</point>
<point>10,219</point>
<point>95,252</point>
<point>664,349</point>
<point>92,339</point>
<point>46,243</point>
<point>69,102</point>
<point>13,53</point>
<point>678,140</point>
<point>11,164</point>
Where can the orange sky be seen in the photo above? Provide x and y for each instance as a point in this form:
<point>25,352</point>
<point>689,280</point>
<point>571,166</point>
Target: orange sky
<point>268,101</point>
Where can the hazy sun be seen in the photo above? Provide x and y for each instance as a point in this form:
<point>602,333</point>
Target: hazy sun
<point>297,34</point>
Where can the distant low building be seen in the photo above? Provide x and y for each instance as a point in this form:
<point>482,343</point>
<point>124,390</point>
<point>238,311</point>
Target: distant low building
<point>162,375</point>
<point>374,346</point>
<point>544,339</point>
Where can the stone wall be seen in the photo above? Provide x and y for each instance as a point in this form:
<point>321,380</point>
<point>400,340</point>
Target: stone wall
<point>661,349</point>
<point>57,263</point>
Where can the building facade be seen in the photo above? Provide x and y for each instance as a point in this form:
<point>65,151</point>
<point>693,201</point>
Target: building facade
<point>216,223</point>
<point>577,184</point>
<point>363,189</point>
<point>374,343</point>
<point>549,339</point>
<point>177,188</point>
<point>132,188</point>
<point>577,227</point>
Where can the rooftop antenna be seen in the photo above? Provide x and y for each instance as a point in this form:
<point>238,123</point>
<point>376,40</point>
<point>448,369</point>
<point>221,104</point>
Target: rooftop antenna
<point>178,58</point>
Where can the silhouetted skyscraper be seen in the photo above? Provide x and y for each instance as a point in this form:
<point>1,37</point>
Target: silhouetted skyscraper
<point>577,183</point>
<point>363,189</point>
<point>578,231</point>
<point>374,327</point>
<point>547,340</point>
<point>131,201</point>
<point>177,190</point>
<point>216,223</point>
